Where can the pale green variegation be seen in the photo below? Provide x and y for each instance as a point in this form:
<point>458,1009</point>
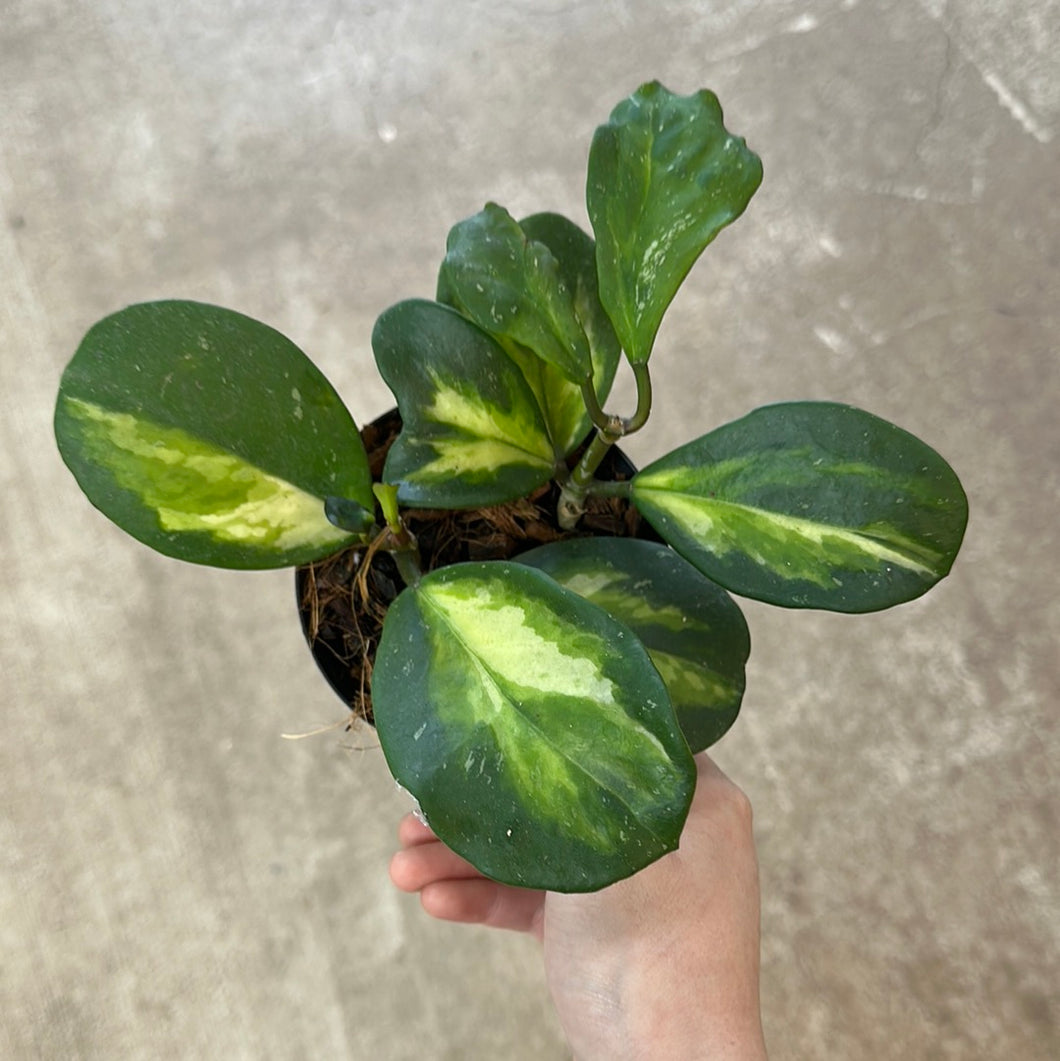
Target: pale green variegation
<point>209,436</point>
<point>531,726</point>
<point>665,177</point>
<point>473,433</point>
<point>198,489</point>
<point>512,287</point>
<point>693,631</point>
<point>809,504</point>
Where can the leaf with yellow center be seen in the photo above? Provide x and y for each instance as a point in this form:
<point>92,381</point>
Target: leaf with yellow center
<point>473,432</point>
<point>531,726</point>
<point>809,504</point>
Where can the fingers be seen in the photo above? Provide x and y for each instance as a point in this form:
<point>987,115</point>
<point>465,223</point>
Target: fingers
<point>412,831</point>
<point>425,863</point>
<point>451,889</point>
<point>485,902</point>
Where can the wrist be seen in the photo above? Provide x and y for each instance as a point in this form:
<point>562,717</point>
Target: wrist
<point>698,1003</point>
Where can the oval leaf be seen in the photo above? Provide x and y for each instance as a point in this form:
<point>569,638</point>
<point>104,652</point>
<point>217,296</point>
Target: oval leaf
<point>809,505</point>
<point>664,178</point>
<point>473,432</point>
<point>532,728</point>
<point>695,634</point>
<point>511,287</point>
<point>209,436</point>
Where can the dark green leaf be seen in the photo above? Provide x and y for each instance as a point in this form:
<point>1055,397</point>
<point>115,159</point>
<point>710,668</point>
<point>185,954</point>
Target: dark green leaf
<point>575,254</point>
<point>561,401</point>
<point>664,178</point>
<point>348,515</point>
<point>532,728</point>
<point>512,287</point>
<point>692,629</point>
<point>473,432</point>
<point>809,505</point>
<point>209,436</point>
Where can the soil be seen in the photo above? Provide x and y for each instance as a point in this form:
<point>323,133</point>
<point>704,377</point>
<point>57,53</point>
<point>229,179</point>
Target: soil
<point>343,599</point>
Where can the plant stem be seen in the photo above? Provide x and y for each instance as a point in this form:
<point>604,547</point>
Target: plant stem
<point>600,488</point>
<point>609,429</point>
<point>406,556</point>
<point>593,407</point>
<point>640,417</point>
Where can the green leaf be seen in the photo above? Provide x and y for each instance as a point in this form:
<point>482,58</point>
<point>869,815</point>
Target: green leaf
<point>532,728</point>
<point>209,436</point>
<point>809,505</point>
<point>349,516</point>
<point>562,402</point>
<point>664,178</point>
<point>695,634</point>
<point>473,433</point>
<point>511,287</point>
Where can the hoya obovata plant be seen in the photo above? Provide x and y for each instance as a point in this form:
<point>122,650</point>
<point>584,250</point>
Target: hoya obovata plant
<point>542,709</point>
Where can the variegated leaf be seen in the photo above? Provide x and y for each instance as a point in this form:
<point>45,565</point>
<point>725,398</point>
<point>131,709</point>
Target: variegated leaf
<point>561,401</point>
<point>209,436</point>
<point>531,727</point>
<point>473,433</point>
<point>512,287</point>
<point>809,505</point>
<point>695,634</point>
<point>664,178</point>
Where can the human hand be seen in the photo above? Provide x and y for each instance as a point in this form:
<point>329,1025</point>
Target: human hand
<point>663,964</point>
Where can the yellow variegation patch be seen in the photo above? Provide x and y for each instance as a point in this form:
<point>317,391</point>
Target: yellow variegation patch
<point>195,487</point>
<point>611,591</point>
<point>527,663</point>
<point>504,640</point>
<point>456,457</point>
<point>791,547</point>
<point>511,429</point>
<point>693,632</point>
<point>693,685</point>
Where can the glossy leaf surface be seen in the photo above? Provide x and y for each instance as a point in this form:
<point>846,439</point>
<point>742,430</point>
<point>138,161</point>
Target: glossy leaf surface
<point>473,433</point>
<point>209,436</point>
<point>664,178</point>
<point>809,505</point>
<point>695,634</point>
<point>531,726</point>
<point>512,287</point>
<point>562,402</point>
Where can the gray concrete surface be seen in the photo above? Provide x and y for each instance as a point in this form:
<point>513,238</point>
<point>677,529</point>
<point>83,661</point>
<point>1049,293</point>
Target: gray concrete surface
<point>178,881</point>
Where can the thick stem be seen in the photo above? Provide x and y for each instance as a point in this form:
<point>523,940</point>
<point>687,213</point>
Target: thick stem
<point>600,488</point>
<point>573,492</point>
<point>609,429</point>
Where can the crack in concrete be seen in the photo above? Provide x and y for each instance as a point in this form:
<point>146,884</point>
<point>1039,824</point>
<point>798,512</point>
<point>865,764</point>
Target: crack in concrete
<point>1009,100</point>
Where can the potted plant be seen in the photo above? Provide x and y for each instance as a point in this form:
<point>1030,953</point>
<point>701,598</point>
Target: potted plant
<point>542,704</point>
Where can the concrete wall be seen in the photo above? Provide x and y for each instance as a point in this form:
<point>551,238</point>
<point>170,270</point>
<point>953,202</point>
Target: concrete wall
<point>178,881</point>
